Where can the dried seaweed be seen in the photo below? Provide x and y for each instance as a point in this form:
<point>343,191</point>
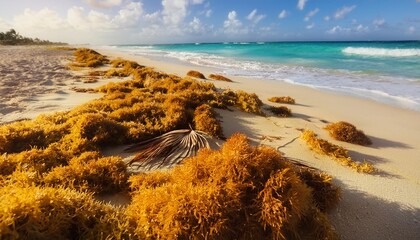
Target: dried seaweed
<point>338,153</point>
<point>346,132</point>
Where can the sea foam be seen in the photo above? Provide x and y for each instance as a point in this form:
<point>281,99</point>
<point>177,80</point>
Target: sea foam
<point>382,52</point>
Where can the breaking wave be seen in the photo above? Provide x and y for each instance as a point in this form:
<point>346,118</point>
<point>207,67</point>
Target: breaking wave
<point>382,52</point>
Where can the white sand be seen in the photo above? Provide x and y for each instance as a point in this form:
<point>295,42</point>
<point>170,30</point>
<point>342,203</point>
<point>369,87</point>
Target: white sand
<point>381,206</point>
<point>33,80</point>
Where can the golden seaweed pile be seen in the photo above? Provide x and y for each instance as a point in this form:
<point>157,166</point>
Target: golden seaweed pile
<point>219,78</point>
<point>238,192</point>
<point>196,74</point>
<point>338,153</point>
<point>346,132</point>
<point>286,99</point>
<point>51,168</point>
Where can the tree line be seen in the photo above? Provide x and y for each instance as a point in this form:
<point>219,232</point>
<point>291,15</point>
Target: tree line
<point>11,37</point>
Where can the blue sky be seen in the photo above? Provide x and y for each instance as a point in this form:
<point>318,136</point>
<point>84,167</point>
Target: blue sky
<point>176,21</point>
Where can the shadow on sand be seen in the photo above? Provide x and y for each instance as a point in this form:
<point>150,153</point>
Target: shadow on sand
<point>362,216</point>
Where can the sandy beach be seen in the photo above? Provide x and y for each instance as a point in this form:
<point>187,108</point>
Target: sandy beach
<point>384,205</point>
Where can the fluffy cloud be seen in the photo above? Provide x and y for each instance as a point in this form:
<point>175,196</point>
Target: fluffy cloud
<point>346,30</point>
<point>379,23</point>
<point>45,18</point>
<point>129,15</point>
<point>311,14</point>
<point>301,4</point>
<point>104,3</point>
<point>195,26</point>
<point>232,25</point>
<point>283,14</point>
<point>254,17</point>
<point>174,11</point>
<point>338,29</point>
<point>310,26</point>
<point>342,12</point>
<point>327,18</point>
<point>361,28</point>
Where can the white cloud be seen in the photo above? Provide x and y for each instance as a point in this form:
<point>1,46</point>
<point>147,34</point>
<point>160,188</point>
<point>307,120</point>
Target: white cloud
<point>346,30</point>
<point>254,17</point>
<point>104,3</point>
<point>310,26</point>
<point>174,11</point>
<point>327,18</point>
<point>208,13</point>
<point>311,14</point>
<point>45,18</point>
<point>412,29</point>
<point>301,4</point>
<point>342,12</point>
<point>283,14</point>
<point>232,25</point>
<point>338,29</point>
<point>129,15</point>
<point>197,1</point>
<point>379,23</point>
<point>361,28</point>
<point>196,26</point>
<point>152,17</point>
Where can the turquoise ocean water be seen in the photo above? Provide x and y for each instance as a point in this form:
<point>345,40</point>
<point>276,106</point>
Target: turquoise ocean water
<point>387,72</point>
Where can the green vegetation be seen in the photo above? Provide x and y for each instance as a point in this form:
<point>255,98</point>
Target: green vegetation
<point>11,37</point>
<point>338,153</point>
<point>288,100</point>
<point>346,132</point>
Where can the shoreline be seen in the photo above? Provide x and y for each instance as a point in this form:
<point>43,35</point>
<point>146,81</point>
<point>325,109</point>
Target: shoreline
<point>388,203</point>
<point>395,88</point>
<point>385,205</point>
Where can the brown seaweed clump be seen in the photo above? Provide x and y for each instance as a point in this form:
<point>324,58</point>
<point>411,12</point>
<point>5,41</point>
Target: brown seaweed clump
<point>346,132</point>
<point>287,99</point>
<point>219,78</point>
<point>248,102</point>
<point>32,212</point>
<point>90,172</point>
<point>89,58</point>
<point>205,120</point>
<point>238,192</point>
<point>196,74</point>
<point>281,111</point>
<point>338,153</point>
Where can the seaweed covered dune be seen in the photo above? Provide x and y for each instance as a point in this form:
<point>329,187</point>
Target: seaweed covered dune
<point>52,169</point>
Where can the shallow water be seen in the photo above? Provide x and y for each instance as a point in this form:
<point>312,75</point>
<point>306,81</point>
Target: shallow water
<point>387,72</point>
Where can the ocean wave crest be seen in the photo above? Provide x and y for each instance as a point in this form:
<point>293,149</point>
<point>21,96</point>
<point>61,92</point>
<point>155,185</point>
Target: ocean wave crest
<point>382,52</point>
